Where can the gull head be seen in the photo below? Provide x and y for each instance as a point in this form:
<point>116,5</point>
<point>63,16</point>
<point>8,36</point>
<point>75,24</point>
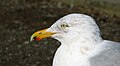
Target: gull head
<point>71,27</point>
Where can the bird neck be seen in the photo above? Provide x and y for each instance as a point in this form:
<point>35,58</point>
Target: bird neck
<point>81,45</point>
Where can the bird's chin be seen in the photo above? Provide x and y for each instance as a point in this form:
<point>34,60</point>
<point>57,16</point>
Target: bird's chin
<point>58,37</point>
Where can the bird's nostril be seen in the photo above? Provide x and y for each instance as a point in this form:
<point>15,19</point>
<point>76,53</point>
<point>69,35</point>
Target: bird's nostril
<point>40,33</point>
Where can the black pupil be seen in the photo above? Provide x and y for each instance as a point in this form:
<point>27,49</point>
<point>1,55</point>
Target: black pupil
<point>63,25</point>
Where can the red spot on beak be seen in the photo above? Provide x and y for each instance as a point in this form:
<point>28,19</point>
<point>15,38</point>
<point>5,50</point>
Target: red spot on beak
<point>38,39</point>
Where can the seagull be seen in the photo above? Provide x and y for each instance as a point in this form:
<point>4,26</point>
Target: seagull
<point>81,42</point>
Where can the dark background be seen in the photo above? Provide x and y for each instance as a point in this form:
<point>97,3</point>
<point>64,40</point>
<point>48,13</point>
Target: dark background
<point>20,18</point>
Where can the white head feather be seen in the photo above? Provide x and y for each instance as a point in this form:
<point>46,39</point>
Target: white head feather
<point>78,34</point>
<point>80,27</point>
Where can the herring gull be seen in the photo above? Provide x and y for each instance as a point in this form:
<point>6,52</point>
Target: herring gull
<point>81,42</point>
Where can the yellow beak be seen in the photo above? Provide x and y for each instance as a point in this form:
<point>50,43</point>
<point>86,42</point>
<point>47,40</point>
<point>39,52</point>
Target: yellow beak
<point>41,34</point>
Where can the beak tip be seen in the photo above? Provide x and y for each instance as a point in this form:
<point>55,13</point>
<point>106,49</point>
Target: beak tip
<point>31,39</point>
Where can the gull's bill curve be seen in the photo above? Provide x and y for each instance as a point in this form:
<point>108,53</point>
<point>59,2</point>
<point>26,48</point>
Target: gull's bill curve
<point>81,42</point>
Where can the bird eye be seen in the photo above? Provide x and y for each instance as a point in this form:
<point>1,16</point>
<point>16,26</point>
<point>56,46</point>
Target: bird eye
<point>64,25</point>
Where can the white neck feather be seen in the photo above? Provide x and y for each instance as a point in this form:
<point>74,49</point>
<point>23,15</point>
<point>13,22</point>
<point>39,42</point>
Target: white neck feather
<point>75,52</point>
<point>82,44</point>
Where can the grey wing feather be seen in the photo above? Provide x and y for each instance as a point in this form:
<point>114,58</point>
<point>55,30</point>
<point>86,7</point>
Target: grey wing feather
<point>108,56</point>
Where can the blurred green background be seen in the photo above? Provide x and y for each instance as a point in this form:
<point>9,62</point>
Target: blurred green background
<point>20,18</point>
